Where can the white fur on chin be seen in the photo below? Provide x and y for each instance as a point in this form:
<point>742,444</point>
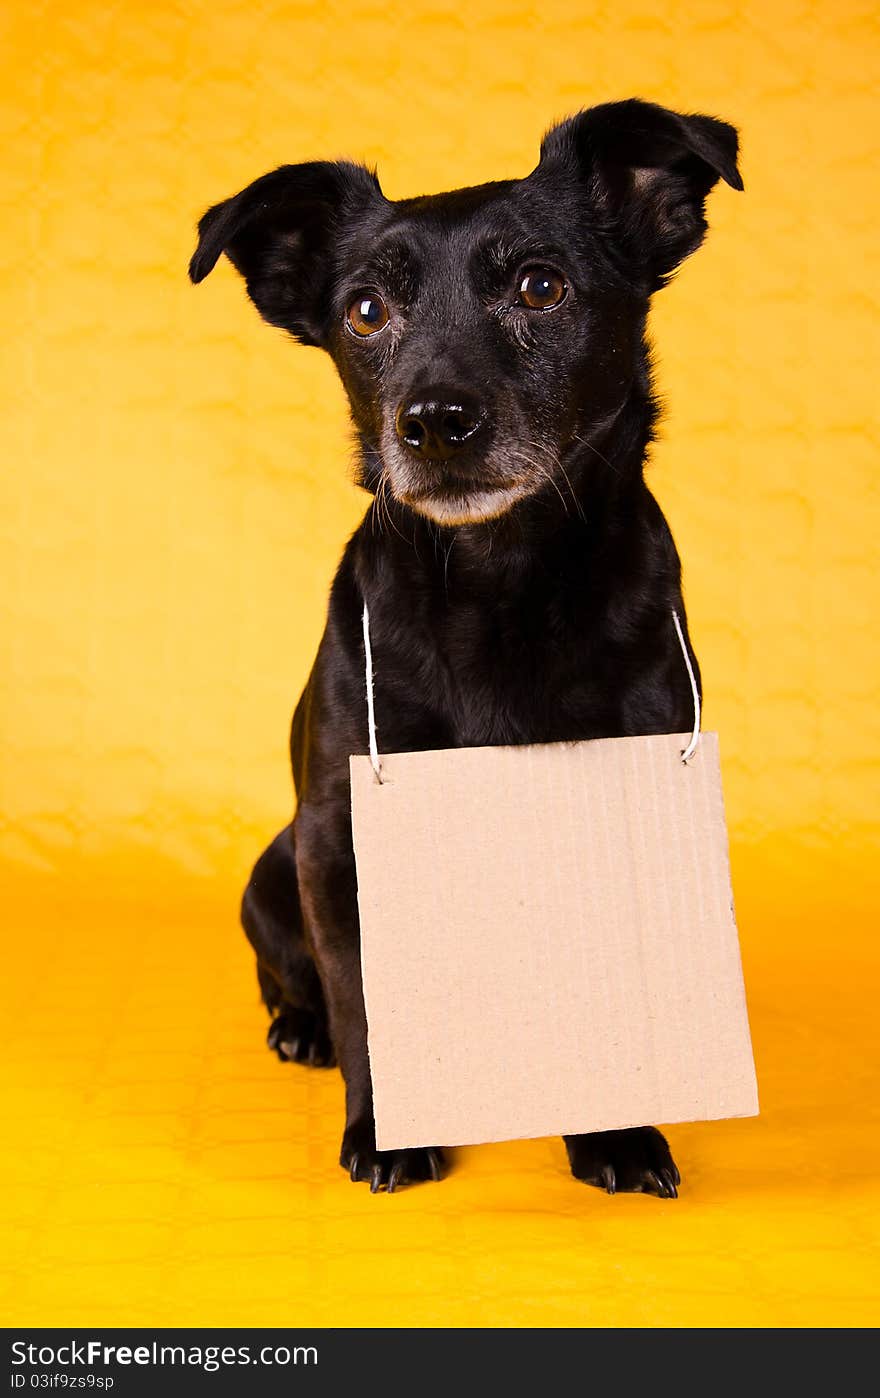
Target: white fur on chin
<point>476,508</point>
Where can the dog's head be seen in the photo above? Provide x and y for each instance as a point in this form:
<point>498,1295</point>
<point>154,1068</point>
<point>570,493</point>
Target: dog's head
<point>484,335</point>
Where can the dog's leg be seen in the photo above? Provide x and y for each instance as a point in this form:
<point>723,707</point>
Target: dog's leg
<point>272,919</point>
<point>328,882</point>
<point>635,1161</point>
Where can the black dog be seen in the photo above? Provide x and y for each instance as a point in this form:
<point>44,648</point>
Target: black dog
<point>519,574</point>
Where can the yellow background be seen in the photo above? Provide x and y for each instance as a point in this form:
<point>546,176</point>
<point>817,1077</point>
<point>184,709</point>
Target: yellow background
<point>175,497</point>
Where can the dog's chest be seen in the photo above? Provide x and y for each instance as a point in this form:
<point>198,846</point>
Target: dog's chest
<point>520,677</point>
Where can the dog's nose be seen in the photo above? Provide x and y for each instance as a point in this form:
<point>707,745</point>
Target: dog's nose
<point>437,423</point>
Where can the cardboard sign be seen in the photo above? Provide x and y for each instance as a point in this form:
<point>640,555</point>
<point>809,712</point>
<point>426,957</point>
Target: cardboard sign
<point>548,941</point>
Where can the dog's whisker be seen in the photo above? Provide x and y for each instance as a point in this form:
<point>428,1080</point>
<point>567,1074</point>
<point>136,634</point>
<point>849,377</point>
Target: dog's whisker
<point>558,466</point>
<point>543,471</point>
<point>596,452</point>
<point>446,564</point>
<point>577,504</point>
<point>382,504</point>
<point>389,517</point>
<point>536,466</point>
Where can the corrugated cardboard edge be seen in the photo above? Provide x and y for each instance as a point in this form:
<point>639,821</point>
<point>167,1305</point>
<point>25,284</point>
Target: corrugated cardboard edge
<point>723,819</point>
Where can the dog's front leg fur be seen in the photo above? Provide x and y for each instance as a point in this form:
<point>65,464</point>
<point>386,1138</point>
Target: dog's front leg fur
<point>328,884</point>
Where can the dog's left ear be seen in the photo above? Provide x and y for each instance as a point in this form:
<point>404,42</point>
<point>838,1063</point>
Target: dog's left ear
<point>279,233</point>
<point>647,172</point>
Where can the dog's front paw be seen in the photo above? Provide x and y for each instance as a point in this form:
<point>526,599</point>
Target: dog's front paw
<point>387,1169</point>
<point>300,1036</point>
<point>636,1161</point>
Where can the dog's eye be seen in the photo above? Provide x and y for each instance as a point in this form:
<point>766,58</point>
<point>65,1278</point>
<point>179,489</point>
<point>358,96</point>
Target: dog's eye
<point>541,290</point>
<point>367,314</point>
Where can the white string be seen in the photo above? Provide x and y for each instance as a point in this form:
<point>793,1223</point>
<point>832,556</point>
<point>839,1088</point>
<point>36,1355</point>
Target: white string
<point>376,765</point>
<point>371,709</point>
<point>695,736</point>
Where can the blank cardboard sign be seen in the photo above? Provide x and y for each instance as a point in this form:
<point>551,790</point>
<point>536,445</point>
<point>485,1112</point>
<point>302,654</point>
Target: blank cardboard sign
<point>548,941</point>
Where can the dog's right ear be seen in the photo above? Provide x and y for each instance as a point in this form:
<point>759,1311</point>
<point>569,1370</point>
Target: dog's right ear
<point>279,234</point>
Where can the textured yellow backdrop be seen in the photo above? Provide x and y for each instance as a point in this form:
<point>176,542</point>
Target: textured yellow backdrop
<point>175,498</point>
